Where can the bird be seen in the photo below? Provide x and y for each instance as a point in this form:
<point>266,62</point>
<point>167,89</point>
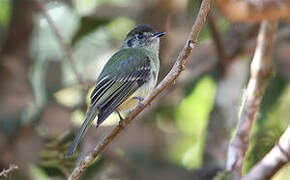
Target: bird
<point>126,79</point>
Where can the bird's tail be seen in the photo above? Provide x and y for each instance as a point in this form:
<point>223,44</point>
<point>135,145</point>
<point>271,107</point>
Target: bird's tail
<point>83,129</point>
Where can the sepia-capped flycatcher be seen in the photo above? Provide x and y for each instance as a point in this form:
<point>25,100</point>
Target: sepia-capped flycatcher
<point>128,77</point>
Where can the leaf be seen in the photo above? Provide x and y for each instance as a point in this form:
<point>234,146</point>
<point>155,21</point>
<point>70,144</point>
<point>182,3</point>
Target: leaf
<point>53,161</point>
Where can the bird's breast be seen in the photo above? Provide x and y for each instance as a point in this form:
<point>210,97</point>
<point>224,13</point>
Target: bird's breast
<point>142,91</point>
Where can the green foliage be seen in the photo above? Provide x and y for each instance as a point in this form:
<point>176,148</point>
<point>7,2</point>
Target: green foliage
<point>193,4</point>
<point>191,119</point>
<point>87,25</point>
<point>53,157</point>
<point>194,110</point>
<point>274,91</point>
<point>186,152</point>
<point>124,26</point>
<point>222,26</point>
<point>37,173</point>
<point>5,13</point>
<point>5,9</point>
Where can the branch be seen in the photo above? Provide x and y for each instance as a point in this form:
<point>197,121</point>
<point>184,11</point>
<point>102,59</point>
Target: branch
<point>254,10</point>
<point>6,172</point>
<point>64,46</point>
<point>273,161</point>
<point>261,70</point>
<point>216,35</point>
<point>167,81</point>
<point>218,43</point>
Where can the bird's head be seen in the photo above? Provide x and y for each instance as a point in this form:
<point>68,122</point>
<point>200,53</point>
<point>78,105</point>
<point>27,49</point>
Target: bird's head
<point>143,36</point>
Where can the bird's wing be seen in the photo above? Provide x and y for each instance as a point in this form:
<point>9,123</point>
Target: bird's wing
<point>123,79</point>
<point>127,72</point>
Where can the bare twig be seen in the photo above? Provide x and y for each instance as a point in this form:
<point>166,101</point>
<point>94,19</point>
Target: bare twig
<point>168,80</point>
<point>65,46</point>
<point>254,10</point>
<point>261,69</point>
<point>6,172</point>
<point>216,37</point>
<point>273,161</point>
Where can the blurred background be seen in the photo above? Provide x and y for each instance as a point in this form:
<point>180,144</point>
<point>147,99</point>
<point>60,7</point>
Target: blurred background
<point>48,68</point>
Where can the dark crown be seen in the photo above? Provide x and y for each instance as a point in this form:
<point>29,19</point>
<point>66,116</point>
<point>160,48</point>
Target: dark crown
<point>141,28</point>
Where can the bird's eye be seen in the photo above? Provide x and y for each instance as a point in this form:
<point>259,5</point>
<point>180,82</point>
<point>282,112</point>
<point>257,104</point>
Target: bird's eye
<point>140,36</point>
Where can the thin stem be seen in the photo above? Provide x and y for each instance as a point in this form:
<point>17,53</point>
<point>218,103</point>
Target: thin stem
<point>216,38</point>
<point>6,172</point>
<point>261,70</point>
<point>64,46</point>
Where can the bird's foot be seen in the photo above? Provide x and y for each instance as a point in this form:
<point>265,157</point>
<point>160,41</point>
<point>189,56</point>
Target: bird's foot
<point>121,122</point>
<point>140,99</point>
<point>121,119</point>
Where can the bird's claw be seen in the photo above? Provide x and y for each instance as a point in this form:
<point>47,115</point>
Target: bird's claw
<point>121,123</point>
<point>140,99</point>
<point>121,119</point>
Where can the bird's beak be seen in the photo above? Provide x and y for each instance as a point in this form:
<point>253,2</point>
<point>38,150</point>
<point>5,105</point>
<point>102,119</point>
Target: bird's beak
<point>159,34</point>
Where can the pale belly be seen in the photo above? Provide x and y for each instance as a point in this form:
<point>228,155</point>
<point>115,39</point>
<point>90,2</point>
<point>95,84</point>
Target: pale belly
<point>143,91</point>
